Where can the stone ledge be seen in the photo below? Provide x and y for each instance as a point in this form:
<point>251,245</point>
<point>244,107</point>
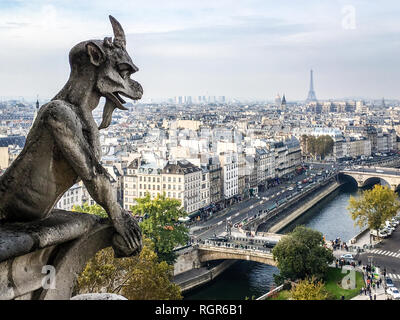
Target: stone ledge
<point>61,226</point>
<point>65,240</point>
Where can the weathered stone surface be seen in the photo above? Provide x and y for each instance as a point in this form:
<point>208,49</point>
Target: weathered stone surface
<point>99,296</point>
<point>74,238</point>
<point>26,272</point>
<point>17,239</point>
<point>71,259</point>
<point>6,288</point>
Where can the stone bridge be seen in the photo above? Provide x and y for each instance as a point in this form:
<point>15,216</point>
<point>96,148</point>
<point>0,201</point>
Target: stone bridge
<point>240,248</point>
<point>365,176</point>
<point>208,253</point>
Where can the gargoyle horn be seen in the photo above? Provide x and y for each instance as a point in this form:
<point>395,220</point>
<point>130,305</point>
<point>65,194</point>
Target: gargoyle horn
<point>119,34</point>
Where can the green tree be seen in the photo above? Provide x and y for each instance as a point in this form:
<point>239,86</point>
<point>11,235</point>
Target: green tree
<point>301,254</point>
<point>93,209</point>
<point>137,278</point>
<point>374,207</point>
<point>161,224</point>
<point>309,289</point>
<point>317,147</point>
<point>324,146</point>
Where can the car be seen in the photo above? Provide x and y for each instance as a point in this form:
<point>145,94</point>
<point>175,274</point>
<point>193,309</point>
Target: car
<point>392,224</point>
<point>290,189</point>
<point>386,231</point>
<point>383,234</point>
<point>389,228</point>
<point>389,282</point>
<point>394,293</point>
<point>218,238</point>
<point>348,257</point>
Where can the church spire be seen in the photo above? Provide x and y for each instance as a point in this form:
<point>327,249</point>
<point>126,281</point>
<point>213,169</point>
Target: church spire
<point>283,103</point>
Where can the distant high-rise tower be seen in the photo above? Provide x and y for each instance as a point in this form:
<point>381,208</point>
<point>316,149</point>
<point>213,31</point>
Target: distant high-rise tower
<point>383,103</point>
<point>311,93</point>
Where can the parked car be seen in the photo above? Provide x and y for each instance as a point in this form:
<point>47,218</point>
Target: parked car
<point>389,282</point>
<point>348,257</point>
<point>385,231</point>
<point>394,293</point>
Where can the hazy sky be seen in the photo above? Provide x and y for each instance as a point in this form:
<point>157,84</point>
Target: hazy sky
<point>235,48</point>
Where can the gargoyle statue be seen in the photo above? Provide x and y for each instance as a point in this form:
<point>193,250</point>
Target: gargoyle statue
<point>63,144</point>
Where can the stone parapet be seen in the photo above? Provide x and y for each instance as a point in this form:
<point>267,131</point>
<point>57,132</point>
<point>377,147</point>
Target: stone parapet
<point>42,259</point>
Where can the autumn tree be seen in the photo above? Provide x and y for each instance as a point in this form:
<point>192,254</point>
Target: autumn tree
<point>140,277</point>
<point>309,289</point>
<point>161,224</point>
<point>137,278</point>
<point>301,254</point>
<point>374,207</point>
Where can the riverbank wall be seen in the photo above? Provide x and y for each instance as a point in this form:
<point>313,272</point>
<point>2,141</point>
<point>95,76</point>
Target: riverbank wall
<point>201,276</point>
<point>304,207</point>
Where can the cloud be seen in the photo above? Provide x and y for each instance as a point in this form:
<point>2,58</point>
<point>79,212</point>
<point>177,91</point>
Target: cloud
<point>226,47</point>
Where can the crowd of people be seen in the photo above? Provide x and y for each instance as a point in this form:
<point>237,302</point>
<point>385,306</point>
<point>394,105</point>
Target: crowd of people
<point>338,244</point>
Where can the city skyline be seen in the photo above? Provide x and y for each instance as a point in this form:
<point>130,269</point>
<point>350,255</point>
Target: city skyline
<point>251,50</point>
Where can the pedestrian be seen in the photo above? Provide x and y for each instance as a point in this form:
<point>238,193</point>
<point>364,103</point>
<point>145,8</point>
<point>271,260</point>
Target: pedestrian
<point>374,296</point>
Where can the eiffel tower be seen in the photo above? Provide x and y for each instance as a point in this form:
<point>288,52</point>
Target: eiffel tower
<point>311,93</point>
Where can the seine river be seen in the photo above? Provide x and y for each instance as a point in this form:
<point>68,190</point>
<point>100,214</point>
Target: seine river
<point>248,279</point>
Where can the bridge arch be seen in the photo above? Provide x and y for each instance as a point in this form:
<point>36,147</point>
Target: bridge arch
<point>223,253</point>
<point>346,178</point>
<point>375,180</point>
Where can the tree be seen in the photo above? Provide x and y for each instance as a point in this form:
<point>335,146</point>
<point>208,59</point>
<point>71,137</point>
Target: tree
<point>141,277</point>
<point>309,289</point>
<point>137,278</point>
<point>321,146</point>
<point>92,209</point>
<point>161,224</point>
<point>374,207</point>
<point>301,254</point>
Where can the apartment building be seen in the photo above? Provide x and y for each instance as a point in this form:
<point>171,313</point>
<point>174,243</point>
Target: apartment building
<point>229,165</point>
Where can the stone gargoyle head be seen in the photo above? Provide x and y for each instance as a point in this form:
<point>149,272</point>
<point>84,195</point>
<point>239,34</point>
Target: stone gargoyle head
<point>113,67</point>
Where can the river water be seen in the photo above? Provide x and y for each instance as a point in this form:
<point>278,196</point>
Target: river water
<point>252,279</point>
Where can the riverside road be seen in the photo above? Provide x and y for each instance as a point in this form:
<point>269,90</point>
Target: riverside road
<point>216,224</point>
<point>248,208</point>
